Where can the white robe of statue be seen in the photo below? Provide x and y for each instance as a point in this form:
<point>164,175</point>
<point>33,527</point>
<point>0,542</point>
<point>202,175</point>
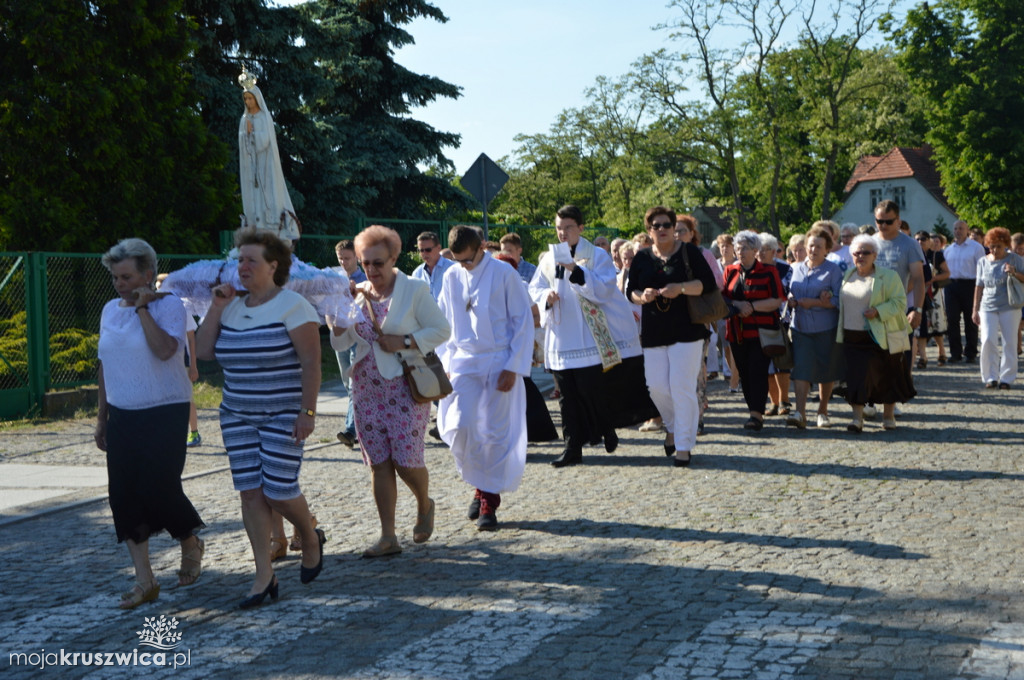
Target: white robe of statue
<point>265,196</point>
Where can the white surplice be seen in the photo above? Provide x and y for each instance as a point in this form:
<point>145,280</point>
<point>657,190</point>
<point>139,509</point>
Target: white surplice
<point>492,331</point>
<point>568,341</point>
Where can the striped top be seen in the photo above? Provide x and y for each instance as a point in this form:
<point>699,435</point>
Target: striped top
<point>262,373</point>
<point>760,283</point>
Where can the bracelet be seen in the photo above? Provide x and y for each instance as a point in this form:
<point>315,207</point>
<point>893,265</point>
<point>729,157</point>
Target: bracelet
<point>309,412</point>
<point>145,306</point>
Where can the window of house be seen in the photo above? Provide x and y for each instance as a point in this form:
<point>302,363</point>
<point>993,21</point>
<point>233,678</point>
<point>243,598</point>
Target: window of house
<point>876,198</point>
<point>899,194</point>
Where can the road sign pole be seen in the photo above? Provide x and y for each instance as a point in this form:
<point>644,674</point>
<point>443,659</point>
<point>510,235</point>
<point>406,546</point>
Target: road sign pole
<point>483,191</point>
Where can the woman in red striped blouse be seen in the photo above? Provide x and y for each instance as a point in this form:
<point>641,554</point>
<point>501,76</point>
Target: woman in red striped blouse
<point>755,292</point>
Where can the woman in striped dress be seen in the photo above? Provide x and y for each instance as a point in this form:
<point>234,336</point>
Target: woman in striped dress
<point>268,344</point>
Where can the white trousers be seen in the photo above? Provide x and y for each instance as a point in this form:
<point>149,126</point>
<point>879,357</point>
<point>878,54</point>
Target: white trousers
<point>996,366</point>
<point>671,373</point>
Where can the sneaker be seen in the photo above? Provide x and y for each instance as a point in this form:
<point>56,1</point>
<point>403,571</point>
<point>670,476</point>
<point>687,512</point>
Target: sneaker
<point>797,420</point>
<point>346,438</point>
<point>870,411</point>
<point>824,420</point>
<point>193,439</point>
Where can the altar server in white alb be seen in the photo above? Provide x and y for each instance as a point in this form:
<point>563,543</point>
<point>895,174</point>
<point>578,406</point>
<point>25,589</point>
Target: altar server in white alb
<point>591,343</point>
<point>491,346</point>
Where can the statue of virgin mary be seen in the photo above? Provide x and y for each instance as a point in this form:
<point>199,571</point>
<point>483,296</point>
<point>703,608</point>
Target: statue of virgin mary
<point>265,200</point>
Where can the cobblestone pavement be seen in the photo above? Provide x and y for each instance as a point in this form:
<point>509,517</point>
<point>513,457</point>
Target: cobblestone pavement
<point>778,554</point>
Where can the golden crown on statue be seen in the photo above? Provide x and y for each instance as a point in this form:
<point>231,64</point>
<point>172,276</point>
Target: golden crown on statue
<point>246,80</point>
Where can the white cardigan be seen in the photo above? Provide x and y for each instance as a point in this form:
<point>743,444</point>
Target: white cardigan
<point>413,311</point>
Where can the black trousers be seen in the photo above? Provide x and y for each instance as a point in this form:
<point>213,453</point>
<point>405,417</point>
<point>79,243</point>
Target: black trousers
<point>585,416</point>
<point>752,364</point>
<point>960,302</point>
<point>145,458</point>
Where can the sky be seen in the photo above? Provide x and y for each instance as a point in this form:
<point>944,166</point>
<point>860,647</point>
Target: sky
<point>520,63</point>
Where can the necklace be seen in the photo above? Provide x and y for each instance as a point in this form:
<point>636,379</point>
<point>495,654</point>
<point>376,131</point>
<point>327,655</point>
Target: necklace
<point>668,303</point>
<point>251,301</point>
<point>667,256</point>
<point>471,291</point>
<point>383,294</point>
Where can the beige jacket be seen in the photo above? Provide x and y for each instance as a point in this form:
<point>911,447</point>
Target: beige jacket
<point>413,311</point>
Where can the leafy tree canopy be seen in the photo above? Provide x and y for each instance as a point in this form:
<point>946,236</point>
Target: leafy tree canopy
<point>964,57</point>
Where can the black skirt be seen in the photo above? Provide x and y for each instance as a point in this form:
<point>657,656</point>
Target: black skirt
<point>145,459</point>
<point>873,375</point>
<point>595,402</point>
<point>539,426</point>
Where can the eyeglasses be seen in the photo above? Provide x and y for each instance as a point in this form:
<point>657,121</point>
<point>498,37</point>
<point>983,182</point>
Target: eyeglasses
<point>376,264</point>
<point>885,222</point>
<point>662,225</point>
<point>861,253</point>
<point>427,250</point>
<point>470,259</point>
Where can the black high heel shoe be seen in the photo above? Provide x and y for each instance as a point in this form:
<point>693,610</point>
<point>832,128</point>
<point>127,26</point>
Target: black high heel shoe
<point>257,599</point>
<point>308,574</point>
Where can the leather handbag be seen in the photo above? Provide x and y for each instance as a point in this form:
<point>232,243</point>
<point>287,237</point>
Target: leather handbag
<point>709,306</point>
<point>773,341</point>
<point>426,376</point>
<point>1015,291</point>
<point>423,372</point>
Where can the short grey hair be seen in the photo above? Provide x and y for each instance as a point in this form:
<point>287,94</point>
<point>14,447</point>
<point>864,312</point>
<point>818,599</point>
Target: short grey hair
<point>848,228</point>
<point>768,241</point>
<point>748,239</point>
<point>134,248</point>
<point>866,241</point>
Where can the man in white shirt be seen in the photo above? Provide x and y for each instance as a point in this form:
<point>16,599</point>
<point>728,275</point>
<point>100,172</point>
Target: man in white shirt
<point>962,257</point>
<point>434,266</point>
<point>489,352</point>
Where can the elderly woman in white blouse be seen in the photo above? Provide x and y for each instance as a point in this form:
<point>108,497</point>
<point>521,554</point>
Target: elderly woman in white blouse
<point>144,395</point>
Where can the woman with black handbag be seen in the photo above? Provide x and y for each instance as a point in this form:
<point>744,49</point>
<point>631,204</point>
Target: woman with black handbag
<point>672,342</point>
<point>400,316</point>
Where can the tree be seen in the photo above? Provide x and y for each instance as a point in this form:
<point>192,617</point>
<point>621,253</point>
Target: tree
<point>99,132</point>
<point>964,57</point>
<point>342,105</point>
<point>836,78</point>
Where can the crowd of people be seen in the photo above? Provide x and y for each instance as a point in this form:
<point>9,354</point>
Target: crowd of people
<point>836,312</point>
<point>631,332</point>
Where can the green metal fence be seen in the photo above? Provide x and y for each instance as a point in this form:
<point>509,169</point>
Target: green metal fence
<point>50,303</point>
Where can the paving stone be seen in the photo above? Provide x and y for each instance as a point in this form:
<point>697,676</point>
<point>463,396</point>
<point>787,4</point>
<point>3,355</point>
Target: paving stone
<point>777,555</point>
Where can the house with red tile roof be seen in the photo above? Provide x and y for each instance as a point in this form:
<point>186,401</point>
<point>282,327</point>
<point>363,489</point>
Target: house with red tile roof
<point>905,175</point>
